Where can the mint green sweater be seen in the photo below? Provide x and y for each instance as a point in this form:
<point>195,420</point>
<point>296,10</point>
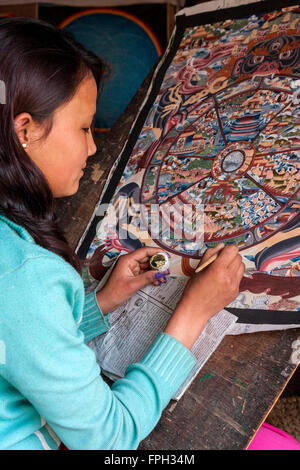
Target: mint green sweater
<point>51,390</point>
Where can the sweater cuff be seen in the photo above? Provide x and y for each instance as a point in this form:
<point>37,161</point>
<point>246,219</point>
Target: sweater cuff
<point>94,322</point>
<point>171,361</point>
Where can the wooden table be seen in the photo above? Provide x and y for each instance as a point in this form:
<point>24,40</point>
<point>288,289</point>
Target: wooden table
<point>243,379</point>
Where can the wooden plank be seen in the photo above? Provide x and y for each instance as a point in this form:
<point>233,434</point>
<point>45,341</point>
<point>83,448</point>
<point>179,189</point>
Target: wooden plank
<point>231,396</point>
<point>30,9</point>
<point>171,12</point>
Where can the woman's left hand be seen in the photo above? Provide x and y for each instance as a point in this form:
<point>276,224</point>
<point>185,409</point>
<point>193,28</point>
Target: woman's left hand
<point>131,273</point>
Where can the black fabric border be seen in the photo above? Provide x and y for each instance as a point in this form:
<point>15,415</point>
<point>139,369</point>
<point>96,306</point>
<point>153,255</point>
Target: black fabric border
<point>271,317</point>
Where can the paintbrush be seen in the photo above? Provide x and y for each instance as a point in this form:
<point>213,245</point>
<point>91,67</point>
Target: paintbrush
<point>207,263</point>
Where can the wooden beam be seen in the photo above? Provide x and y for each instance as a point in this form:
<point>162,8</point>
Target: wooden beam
<point>30,9</point>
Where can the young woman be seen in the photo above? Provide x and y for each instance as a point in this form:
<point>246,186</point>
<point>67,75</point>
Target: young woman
<point>51,390</point>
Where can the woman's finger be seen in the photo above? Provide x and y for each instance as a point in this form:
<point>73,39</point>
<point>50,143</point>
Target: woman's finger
<point>144,265</point>
<point>210,252</point>
<point>227,255</point>
<point>235,264</point>
<point>160,278</point>
<point>144,254</point>
<point>241,271</point>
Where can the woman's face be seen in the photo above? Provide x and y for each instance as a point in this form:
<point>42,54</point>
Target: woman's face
<point>62,155</point>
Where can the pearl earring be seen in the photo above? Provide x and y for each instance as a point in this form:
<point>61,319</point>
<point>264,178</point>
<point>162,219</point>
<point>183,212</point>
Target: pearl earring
<point>24,145</point>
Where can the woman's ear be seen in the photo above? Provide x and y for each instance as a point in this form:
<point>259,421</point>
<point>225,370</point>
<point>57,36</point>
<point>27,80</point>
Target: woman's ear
<point>23,127</point>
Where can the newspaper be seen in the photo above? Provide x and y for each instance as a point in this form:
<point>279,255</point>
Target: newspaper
<point>137,323</point>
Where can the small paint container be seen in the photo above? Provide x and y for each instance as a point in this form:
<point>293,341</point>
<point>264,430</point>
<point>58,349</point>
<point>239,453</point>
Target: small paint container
<point>160,262</point>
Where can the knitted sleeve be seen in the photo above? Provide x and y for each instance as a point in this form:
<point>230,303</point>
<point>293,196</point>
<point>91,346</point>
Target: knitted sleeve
<point>50,365</point>
<point>93,322</point>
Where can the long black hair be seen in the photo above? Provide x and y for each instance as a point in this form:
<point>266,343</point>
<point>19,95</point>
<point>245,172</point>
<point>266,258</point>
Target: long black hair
<point>41,68</point>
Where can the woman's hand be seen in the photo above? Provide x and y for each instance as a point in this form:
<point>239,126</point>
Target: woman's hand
<point>206,293</point>
<point>131,273</point>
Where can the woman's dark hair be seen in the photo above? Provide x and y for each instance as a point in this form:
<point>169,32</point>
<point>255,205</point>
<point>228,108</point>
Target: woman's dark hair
<point>41,68</point>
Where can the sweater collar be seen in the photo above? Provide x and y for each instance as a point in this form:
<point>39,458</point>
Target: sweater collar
<point>18,229</point>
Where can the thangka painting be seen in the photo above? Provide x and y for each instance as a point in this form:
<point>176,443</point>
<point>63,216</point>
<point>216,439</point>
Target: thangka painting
<point>218,131</point>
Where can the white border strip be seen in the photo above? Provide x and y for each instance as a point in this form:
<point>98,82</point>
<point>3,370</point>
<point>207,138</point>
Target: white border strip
<point>214,5</point>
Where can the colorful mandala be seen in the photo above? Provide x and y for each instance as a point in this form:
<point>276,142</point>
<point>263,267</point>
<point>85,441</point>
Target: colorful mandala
<point>219,132</point>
